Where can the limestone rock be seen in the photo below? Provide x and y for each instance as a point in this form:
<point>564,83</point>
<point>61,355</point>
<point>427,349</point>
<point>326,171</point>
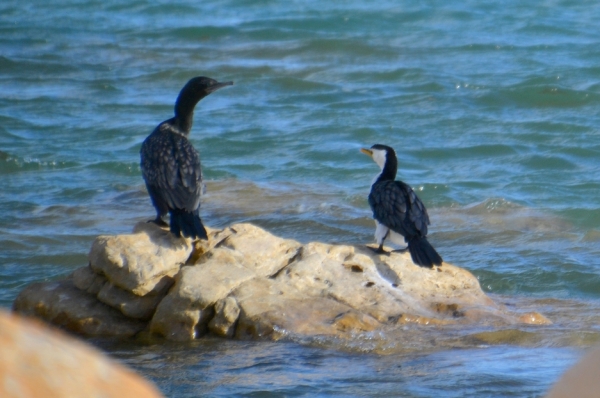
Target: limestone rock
<point>227,312</point>
<point>36,361</point>
<point>187,309</point>
<point>246,283</point>
<point>143,262</point>
<point>534,318</point>
<point>128,303</point>
<point>88,281</point>
<point>264,253</point>
<point>62,304</point>
<point>269,307</point>
<point>346,277</point>
<point>384,286</point>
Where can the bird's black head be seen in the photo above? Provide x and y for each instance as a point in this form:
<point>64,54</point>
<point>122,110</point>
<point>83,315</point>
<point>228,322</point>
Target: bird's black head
<point>194,90</point>
<point>202,86</point>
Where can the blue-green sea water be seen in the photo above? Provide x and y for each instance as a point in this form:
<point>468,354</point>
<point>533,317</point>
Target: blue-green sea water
<point>493,108</point>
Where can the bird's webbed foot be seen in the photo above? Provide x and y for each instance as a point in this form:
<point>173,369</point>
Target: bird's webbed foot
<point>380,250</point>
<point>160,222</point>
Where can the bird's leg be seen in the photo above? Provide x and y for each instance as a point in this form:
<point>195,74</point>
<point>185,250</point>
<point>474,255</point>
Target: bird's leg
<point>380,240</point>
<point>159,221</point>
<point>380,250</point>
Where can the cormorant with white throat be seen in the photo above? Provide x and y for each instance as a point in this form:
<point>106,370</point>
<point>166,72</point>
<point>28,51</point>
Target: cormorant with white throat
<point>397,210</point>
<point>171,166</point>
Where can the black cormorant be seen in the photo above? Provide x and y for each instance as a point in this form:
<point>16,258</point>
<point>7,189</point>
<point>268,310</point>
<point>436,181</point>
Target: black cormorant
<point>171,165</point>
<point>397,210</point>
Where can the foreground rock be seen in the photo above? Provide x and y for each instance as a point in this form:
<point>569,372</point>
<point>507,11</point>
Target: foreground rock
<point>247,283</point>
<point>36,361</point>
<point>581,380</point>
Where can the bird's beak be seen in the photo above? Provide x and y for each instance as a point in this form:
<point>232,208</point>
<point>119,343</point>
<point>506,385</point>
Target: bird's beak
<point>367,151</point>
<point>217,86</point>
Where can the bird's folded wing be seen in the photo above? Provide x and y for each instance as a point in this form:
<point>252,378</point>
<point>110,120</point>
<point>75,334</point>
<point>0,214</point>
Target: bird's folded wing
<point>395,205</point>
<point>176,173</point>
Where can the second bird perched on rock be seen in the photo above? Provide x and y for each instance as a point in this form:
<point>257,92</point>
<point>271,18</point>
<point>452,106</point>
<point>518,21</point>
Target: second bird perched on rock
<point>171,166</point>
<point>398,211</point>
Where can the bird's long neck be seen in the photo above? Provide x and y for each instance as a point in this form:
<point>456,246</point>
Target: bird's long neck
<point>184,111</point>
<point>184,123</point>
<point>388,172</point>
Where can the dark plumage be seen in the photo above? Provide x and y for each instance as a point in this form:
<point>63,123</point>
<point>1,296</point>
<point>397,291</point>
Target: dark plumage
<point>398,210</point>
<point>171,165</point>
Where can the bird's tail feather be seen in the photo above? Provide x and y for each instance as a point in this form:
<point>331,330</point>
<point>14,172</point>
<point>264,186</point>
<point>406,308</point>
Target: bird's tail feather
<point>188,224</point>
<point>423,253</point>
